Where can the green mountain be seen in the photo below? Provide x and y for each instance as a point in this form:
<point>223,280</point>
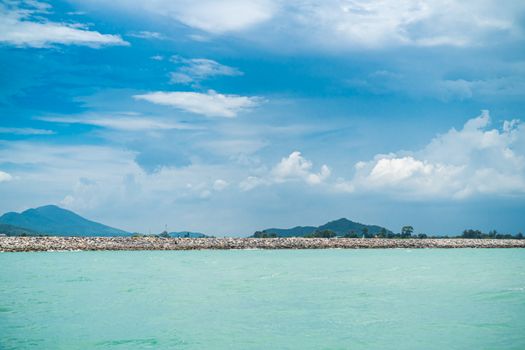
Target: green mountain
<point>10,230</point>
<point>344,226</point>
<point>297,231</point>
<point>341,227</point>
<point>53,220</point>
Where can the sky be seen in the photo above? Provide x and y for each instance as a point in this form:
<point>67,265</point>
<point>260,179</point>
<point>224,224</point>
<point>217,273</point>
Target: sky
<point>227,117</point>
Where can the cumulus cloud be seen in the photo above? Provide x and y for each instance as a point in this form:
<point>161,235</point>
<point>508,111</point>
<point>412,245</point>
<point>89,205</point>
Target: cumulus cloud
<point>458,164</point>
<point>197,69</point>
<point>210,104</point>
<point>4,177</point>
<point>295,166</point>
<point>24,27</point>
<point>291,168</point>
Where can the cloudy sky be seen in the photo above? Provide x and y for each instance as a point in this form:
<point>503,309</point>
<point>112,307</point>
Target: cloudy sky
<point>229,116</point>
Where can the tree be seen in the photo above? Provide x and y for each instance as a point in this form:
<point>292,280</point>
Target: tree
<point>322,234</point>
<point>382,232</point>
<point>351,234</point>
<point>365,232</point>
<point>406,231</point>
<point>472,234</point>
<point>262,234</point>
<point>164,234</point>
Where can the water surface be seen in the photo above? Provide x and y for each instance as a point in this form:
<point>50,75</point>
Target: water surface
<point>257,299</point>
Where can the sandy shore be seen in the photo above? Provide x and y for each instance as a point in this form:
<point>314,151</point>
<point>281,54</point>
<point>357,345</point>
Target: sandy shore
<point>28,244</point>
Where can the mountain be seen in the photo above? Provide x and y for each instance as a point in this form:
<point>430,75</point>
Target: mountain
<point>187,234</point>
<point>10,230</point>
<point>341,227</point>
<point>296,231</point>
<point>53,220</point>
<point>344,226</point>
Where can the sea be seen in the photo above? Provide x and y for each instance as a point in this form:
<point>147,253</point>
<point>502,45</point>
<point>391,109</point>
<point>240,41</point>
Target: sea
<point>264,299</point>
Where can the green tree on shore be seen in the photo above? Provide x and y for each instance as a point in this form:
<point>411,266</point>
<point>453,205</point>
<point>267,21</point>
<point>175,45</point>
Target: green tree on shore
<point>406,231</point>
<point>262,234</point>
<point>322,234</point>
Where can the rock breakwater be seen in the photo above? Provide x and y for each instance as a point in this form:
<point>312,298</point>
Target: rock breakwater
<point>28,244</point>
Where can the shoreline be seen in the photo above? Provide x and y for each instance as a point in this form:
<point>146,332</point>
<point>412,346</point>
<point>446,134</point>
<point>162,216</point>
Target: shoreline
<point>39,244</point>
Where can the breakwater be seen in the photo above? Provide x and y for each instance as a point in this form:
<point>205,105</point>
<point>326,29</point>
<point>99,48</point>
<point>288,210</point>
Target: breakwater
<point>28,244</point>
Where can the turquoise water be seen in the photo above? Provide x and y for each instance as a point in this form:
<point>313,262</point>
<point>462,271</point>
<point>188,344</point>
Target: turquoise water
<point>308,299</point>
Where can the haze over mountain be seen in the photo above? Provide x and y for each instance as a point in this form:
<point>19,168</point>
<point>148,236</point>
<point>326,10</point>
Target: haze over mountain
<point>53,220</point>
<point>341,227</point>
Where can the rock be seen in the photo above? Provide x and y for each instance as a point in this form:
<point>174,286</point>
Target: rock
<point>24,244</point>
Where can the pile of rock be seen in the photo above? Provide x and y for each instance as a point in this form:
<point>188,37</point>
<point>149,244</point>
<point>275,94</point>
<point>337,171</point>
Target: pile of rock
<point>27,244</point>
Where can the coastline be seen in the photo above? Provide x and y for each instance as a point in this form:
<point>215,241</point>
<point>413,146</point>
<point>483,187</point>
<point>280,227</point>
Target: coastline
<point>35,244</point>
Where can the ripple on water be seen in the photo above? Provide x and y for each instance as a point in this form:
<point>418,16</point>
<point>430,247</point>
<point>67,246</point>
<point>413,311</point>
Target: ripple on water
<point>128,342</point>
<point>141,343</point>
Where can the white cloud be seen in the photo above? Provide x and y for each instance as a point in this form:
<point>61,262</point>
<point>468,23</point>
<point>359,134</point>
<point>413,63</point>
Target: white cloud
<point>252,182</point>
<point>147,35</point>
<point>119,122</point>
<point>344,24</point>
<point>292,168</point>
<point>87,177</point>
<point>223,16</point>
<point>215,17</point>
<point>4,177</point>
<point>197,69</point>
<point>474,160</point>
<point>220,184</point>
<point>25,131</point>
<point>386,23</point>
<point>21,27</point>
<point>296,167</point>
<point>211,104</point>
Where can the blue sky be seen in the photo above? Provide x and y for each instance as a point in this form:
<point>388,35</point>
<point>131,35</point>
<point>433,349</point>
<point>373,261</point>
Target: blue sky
<point>231,116</point>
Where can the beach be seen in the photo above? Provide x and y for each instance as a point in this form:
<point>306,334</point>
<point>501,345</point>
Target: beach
<point>29,244</point>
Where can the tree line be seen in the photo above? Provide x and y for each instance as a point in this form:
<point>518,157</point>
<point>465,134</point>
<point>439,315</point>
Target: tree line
<point>406,232</point>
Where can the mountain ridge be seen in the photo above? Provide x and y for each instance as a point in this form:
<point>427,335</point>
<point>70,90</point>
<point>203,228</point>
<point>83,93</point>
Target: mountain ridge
<point>53,220</point>
<point>341,227</point>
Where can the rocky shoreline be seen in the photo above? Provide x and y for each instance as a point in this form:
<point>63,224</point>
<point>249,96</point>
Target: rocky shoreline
<point>31,244</point>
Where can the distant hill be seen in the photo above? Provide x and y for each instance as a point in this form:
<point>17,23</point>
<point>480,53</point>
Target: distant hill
<point>10,230</point>
<point>187,234</point>
<point>53,220</point>
<point>297,231</point>
<point>341,227</point>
